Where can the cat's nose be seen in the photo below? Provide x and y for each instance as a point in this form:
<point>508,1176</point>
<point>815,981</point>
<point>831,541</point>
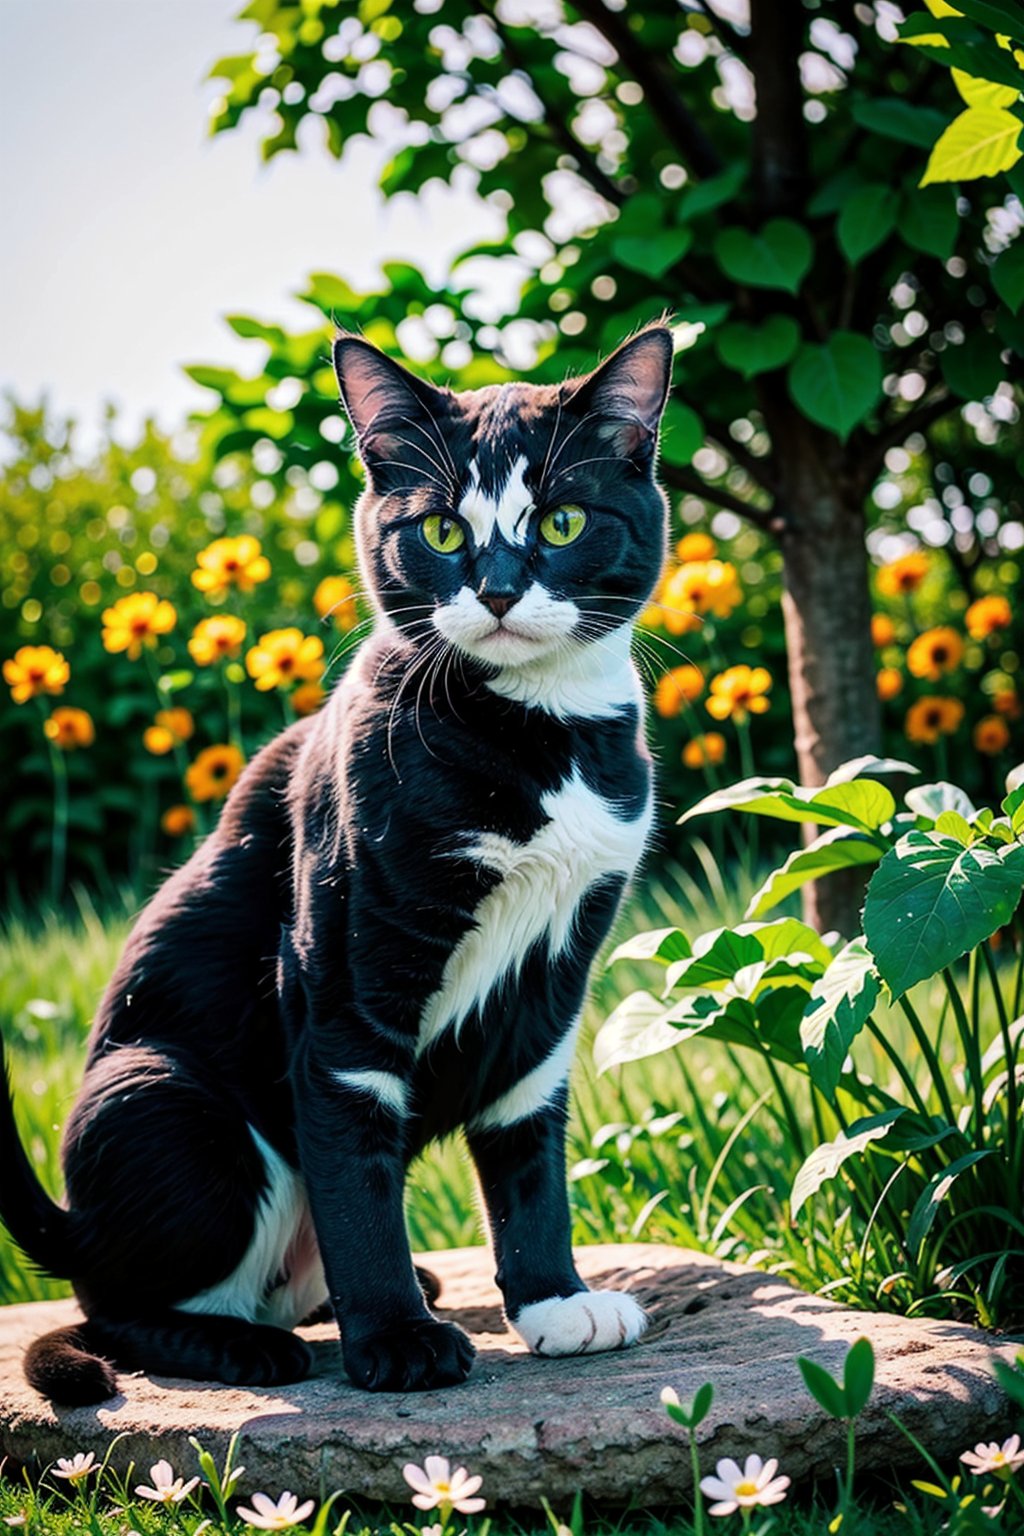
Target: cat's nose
<point>499,604</point>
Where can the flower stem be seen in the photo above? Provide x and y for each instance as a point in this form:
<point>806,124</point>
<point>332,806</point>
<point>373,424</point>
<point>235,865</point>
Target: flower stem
<point>59,842</point>
<point>698,1507</point>
<point>234,714</point>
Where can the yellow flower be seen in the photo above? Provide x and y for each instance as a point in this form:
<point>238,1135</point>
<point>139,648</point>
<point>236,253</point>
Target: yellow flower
<point>739,691</point>
<point>177,820</point>
<point>1007,702</point>
<point>696,546</point>
<point>932,717</point>
<point>335,598</point>
<point>307,698</point>
<point>987,615</point>
<point>228,563</point>
<point>709,748</point>
<point>680,686</point>
<point>33,670</point>
<point>213,772</point>
<point>991,735</point>
<point>178,721</point>
<point>69,728</point>
<point>285,656</point>
<point>889,682</point>
<point>158,740</point>
<point>704,586</point>
<point>935,653</point>
<point>135,621</point>
<point>216,638</point>
<point>883,630</point>
<point>904,575</point>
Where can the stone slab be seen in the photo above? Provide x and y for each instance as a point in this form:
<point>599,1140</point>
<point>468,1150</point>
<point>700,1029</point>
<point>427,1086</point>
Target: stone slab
<point>544,1428</point>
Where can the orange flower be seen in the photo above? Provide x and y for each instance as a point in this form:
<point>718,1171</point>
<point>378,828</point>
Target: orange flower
<point>696,546</point>
<point>158,740</point>
<point>883,630</point>
<point>935,653</point>
<point>930,718</point>
<point>228,563</point>
<point>216,638</point>
<point>307,698</point>
<point>33,670</point>
<point>704,586</point>
<point>335,598</point>
<point>213,772</point>
<point>987,615</point>
<point>739,691</point>
<point>680,686</point>
<point>285,656</point>
<point>889,682</point>
<point>991,735</point>
<point>1007,701</point>
<point>177,820</point>
<point>69,728</point>
<point>709,748</point>
<point>904,575</point>
<point>136,621</point>
<point>178,721</point>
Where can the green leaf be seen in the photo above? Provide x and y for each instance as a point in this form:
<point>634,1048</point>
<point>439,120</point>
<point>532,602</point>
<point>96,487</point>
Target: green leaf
<point>929,221</point>
<point>893,118</point>
<point>825,1161</point>
<point>952,824</point>
<point>174,682</point>
<point>704,196</point>
<point>653,254</point>
<point>777,256</point>
<point>1007,276</point>
<point>861,803</point>
<point>928,801</point>
<point>664,944</point>
<point>922,1217</point>
<point>754,349</point>
<point>682,433</point>
<point>837,384</point>
<point>998,15</point>
<point>1013,807</point>
<point>931,900</point>
<point>641,1026</point>
<point>826,1391</point>
<point>868,767</point>
<point>868,217</point>
<point>980,142</point>
<point>974,369</point>
<point>858,1376</point>
<point>838,848</point>
<point>837,1010</point>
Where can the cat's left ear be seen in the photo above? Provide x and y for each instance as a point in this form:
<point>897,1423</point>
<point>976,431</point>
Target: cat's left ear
<point>630,389</point>
<point>382,400</point>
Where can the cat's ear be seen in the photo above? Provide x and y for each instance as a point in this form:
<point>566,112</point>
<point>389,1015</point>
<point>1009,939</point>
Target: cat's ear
<point>629,390</point>
<point>382,400</point>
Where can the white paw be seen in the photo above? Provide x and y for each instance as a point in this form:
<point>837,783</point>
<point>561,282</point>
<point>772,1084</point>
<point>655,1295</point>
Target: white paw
<point>583,1324</point>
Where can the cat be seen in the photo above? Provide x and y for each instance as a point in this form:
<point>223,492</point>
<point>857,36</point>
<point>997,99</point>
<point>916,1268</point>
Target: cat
<point>388,935</point>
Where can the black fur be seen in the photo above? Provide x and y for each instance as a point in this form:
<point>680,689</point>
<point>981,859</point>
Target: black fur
<point>305,938</point>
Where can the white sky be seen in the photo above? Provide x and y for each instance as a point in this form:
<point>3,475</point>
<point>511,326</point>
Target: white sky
<point>127,232</point>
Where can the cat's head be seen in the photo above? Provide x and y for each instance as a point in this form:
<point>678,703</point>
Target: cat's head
<point>518,521</point>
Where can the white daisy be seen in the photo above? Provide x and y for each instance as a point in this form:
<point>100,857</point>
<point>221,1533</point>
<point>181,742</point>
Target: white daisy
<point>436,1484</point>
<point>735,1488</point>
<point>1003,1459</point>
<point>268,1516</point>
<point>76,1468</point>
<point>166,1489</point>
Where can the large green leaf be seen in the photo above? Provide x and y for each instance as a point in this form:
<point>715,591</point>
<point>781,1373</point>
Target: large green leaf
<point>682,433</point>
<point>860,803</point>
<point>922,1217</point>
<point>653,254</point>
<point>929,221</point>
<point>982,141</point>
<point>754,349</point>
<point>929,801</point>
<point>837,384</point>
<point>664,944</point>
<point>825,1161</point>
<point>836,1012</point>
<point>931,900</point>
<point>1008,276</point>
<point>744,955</point>
<point>640,1026</point>
<point>905,121</point>
<point>838,848</point>
<point>777,256</point>
<point>868,216</point>
<point>868,767</point>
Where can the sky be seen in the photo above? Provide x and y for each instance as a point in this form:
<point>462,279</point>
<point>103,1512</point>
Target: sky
<point>128,232</point>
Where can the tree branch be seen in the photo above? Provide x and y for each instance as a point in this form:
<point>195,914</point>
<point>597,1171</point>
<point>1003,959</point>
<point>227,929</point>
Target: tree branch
<point>680,479</point>
<point>779,130</point>
<point>659,86</point>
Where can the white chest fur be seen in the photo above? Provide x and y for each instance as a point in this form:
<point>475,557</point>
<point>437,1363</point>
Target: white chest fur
<point>542,883</point>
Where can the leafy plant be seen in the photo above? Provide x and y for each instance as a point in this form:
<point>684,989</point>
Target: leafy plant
<point>843,1400</point>
<point>930,1156</point>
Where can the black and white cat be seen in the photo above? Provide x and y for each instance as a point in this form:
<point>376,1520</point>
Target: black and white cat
<point>389,933</point>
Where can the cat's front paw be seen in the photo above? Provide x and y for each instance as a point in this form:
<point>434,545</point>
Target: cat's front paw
<point>584,1324</point>
<point>409,1357</point>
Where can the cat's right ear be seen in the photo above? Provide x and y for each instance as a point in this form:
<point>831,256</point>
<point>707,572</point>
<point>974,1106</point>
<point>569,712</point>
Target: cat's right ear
<point>382,400</point>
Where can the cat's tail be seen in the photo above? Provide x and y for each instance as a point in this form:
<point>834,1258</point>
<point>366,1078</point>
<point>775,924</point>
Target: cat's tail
<point>42,1229</point>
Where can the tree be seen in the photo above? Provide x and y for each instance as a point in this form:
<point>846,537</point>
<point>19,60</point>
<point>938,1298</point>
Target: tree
<point>752,171</point>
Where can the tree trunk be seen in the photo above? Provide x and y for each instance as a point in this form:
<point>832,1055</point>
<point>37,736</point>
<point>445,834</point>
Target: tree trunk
<point>827,613</point>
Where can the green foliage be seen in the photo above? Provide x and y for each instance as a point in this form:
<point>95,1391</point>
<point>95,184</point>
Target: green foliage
<point>930,1162</point>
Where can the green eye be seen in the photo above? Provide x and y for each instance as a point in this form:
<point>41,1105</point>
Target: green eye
<point>563,525</point>
<point>443,534</point>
